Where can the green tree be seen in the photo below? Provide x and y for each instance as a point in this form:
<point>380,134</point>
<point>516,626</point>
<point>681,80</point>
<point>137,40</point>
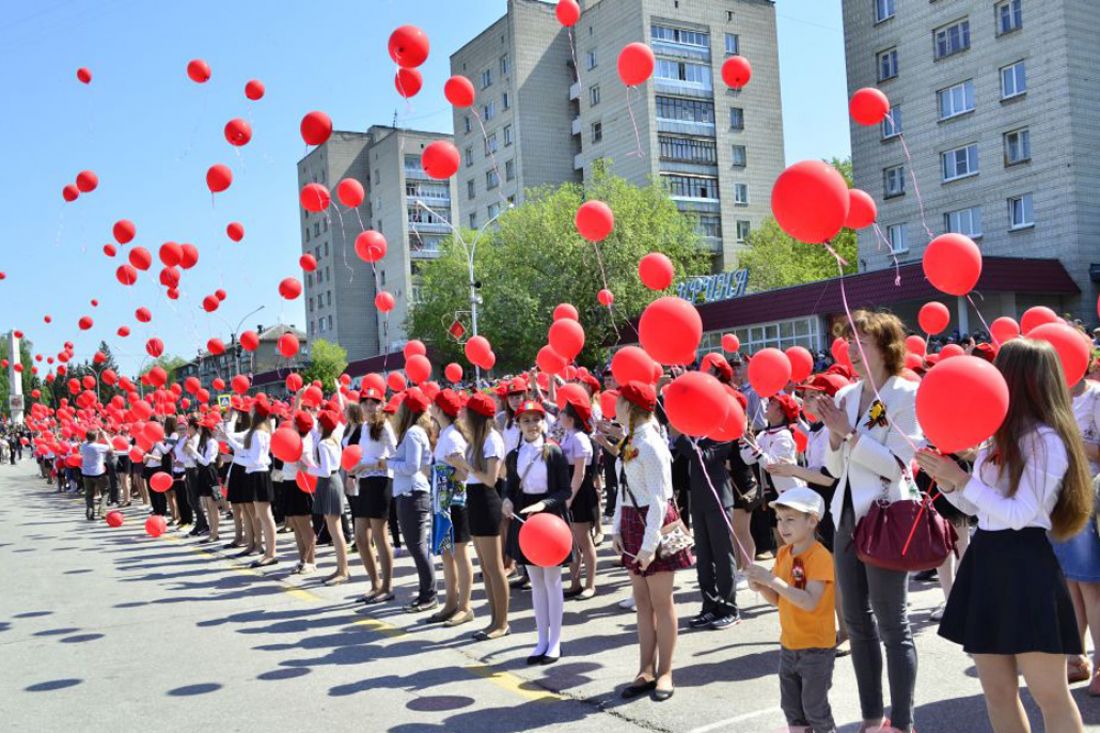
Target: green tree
<point>776,260</point>
<point>90,368</point>
<point>169,363</point>
<point>535,260</point>
<point>327,361</point>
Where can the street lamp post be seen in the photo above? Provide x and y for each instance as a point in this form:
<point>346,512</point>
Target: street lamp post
<point>236,344</point>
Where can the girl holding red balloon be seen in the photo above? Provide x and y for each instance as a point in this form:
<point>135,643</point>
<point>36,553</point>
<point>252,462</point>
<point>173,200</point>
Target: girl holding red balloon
<point>538,482</point>
<point>584,506</point>
<point>1009,607</point>
<point>328,497</point>
<point>238,490</point>
<point>298,503</point>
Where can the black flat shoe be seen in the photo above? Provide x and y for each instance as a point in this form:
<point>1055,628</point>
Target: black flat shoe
<point>634,690</point>
<point>547,659</point>
<point>536,659</point>
<point>662,695</point>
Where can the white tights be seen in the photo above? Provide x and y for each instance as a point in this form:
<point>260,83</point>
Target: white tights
<point>548,601</point>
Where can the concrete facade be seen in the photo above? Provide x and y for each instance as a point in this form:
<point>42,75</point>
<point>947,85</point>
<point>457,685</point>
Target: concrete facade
<point>567,108</point>
<point>410,210</point>
<point>975,76</point>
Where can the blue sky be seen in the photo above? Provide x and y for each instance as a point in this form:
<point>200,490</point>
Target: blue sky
<point>150,134</point>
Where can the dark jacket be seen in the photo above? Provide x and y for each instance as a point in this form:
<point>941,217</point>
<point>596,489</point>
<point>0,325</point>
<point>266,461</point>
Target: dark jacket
<point>558,475</point>
<point>713,466</point>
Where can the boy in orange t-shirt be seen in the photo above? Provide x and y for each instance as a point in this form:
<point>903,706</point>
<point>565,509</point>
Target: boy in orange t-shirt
<point>802,586</point>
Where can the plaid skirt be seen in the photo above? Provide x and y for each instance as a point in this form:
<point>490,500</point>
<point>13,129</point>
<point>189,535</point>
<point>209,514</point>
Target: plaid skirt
<point>632,531</point>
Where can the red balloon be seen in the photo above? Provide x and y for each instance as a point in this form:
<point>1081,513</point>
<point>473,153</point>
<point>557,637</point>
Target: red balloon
<point>124,231</point>
<point>802,363</point>
<point>156,525</point>
<point>218,384</point>
<point>154,347</point>
<point>250,341</point>
<point>316,128</point>
<point>730,343</point>
<point>288,345</point>
<point>141,258</point>
<point>370,246</point>
<point>418,368</point>
<point>290,288</point>
<point>656,271</point>
<point>545,539</point>
<point>210,303</point>
<point>594,220</point>
<point>696,404</point>
<point>123,331</point>
<point>126,274</point>
<point>440,160</point>
<point>87,181</point>
<point>199,71</point>
<point>953,263</point>
<point>351,457</point>
<point>478,349</point>
<point>933,318</point>
<point>1035,317</point>
<point>315,197</point>
<point>306,482</point>
<point>862,211</point>
<point>453,372</point>
<point>170,254</point>
<point>565,310</point>
<point>240,383</point>
<point>84,75</point>
<point>70,193</point>
<point>308,263</point>
<point>215,346</point>
<point>670,330</point>
<point>1004,329</point>
<point>170,277</point>
<point>286,445</point>
<point>158,376</point>
<point>85,323</point>
<point>810,201</point>
<point>235,231</point>
<point>218,178</point>
<point>636,62</point>
<point>951,350</point>
<point>254,89</point>
<point>396,381</point>
<point>769,371</point>
<point>916,345</point>
<point>143,315</point>
<point>736,72</point>
<point>110,250</point>
<point>384,302</point>
<point>350,192</point>
<point>605,297</point>
<point>568,12</point>
<point>408,82</point>
<point>293,382</point>
<point>160,481</point>
<point>550,361</point>
<point>566,337</point>
<point>238,132</point>
<point>459,91</point>
<point>408,46</point>
<point>414,347</point>
<point>192,385</point>
<point>1074,350</point>
<point>219,294</point>
<point>868,106</point>
<point>961,402</point>
<point>114,518</point>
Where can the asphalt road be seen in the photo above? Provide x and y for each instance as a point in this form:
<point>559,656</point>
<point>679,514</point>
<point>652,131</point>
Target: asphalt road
<point>107,629</point>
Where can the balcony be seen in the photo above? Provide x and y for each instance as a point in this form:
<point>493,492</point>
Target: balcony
<point>700,90</point>
<point>416,172</point>
<point>712,245</point>
<point>680,50</point>
<point>577,125</point>
<point>575,91</point>
<point>684,127</point>
<point>424,227</point>
<point>578,162</point>
<point>429,251</point>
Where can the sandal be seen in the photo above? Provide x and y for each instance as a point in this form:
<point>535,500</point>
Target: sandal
<point>637,689</point>
<point>376,599</point>
<point>1078,670</point>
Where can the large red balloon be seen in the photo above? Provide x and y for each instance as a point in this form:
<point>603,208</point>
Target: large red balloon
<point>478,349</point>
<point>287,345</point>
<point>568,12</point>
<point>565,310</point>
<point>235,231</point>
<point>862,211</point>
<point>594,220</point>
<point>126,274</point>
<point>696,404</point>
<point>408,82</point>
<point>215,346</point>
<point>961,402</point>
<point>802,363</point>
<point>949,351</point>
<point>453,372</point>
<point>306,481</point>
<point>210,303</point>
<point>408,46</point>
<point>953,263</point>
<point>156,525</point>
<point>218,178</point>
<point>160,482</point>
<point>308,263</point>
<point>810,201</point>
<point>87,181</point>
<point>933,318</point>
<point>250,341</point>
<point>316,128</point>
<point>1074,349</point>
<point>868,106</point>
<point>549,360</point>
<point>459,91</point>
<point>350,192</point>
<point>566,337</point>
<point>769,371</point>
<point>670,330</point>
<point>254,89</point>
<point>418,368</point>
<point>370,246</point>
<point>124,231</point>
<point>290,288</point>
<point>1004,329</point>
<point>440,160</point>
<point>1035,317</point>
<point>396,381</point>
<point>199,71</point>
<point>170,254</point>
<point>384,302</point>
<point>238,132</point>
<point>351,457</point>
<point>314,197</point>
<point>736,72</point>
<point>656,271</point>
<point>636,62</point>
<point>286,445</point>
<point>733,428</point>
<point>545,539</point>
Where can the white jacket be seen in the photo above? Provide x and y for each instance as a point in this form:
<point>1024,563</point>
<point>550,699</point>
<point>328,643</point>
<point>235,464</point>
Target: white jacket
<point>874,468</point>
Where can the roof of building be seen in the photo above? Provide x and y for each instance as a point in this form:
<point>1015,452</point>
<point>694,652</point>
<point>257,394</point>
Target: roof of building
<point>273,333</point>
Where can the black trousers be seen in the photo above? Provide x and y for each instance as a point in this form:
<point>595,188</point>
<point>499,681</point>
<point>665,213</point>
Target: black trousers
<point>715,563</point>
<point>112,479</point>
<point>191,480</point>
<point>395,529</point>
<point>158,501</point>
<point>179,486</point>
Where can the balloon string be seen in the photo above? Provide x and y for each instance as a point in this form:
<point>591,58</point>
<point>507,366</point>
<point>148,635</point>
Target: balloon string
<point>603,276</point>
<point>634,122</point>
<point>492,156</point>
<point>714,492</point>
<point>890,250</point>
<point>981,317</point>
<point>343,241</point>
<point>913,176</point>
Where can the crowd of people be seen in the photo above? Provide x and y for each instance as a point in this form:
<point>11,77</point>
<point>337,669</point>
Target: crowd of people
<point>433,471</point>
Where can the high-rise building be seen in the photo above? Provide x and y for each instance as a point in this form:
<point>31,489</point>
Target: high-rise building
<point>550,105</point>
<point>997,103</point>
<point>413,213</point>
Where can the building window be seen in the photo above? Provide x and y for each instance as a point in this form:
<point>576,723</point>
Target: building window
<point>492,180</point>
<point>311,304</point>
<point>960,162</point>
<point>744,228</point>
<point>737,118</point>
<point>466,124</point>
<point>697,75</point>
<point>473,220</point>
<point>692,187</point>
<point>681,36</point>
<point>1010,16</point>
<point>468,156</point>
<point>708,225</point>
<point>893,181</point>
<point>330,323</point>
<point>491,144</point>
<point>956,100</point>
<point>494,211</point>
<point>504,64</point>
<point>324,225</point>
<point>307,233</point>
<point>1017,146</point>
<point>952,39</point>
<point>593,95</point>
<point>741,194</point>
<point>489,111</point>
<point>685,110</point>
<point>507,135</point>
<point>471,189</point>
<point>740,156</point>
<point>590,59</point>
<point>1020,213</point>
<point>884,10</point>
<point>964,221</point>
<point>891,123</point>
<point>510,170</point>
<point>733,43</point>
<point>326,249</point>
<point>887,64</point>
<point>328,298</point>
<point>309,279</point>
<point>505,102</point>
<point>486,78</point>
<point>898,236</point>
<point>377,177</point>
<point>687,149</point>
<point>1013,80</point>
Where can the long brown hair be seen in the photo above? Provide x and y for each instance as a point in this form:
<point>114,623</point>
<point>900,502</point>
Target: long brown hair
<point>375,423</point>
<point>477,429</point>
<point>1038,396</point>
<point>258,423</point>
<point>406,418</point>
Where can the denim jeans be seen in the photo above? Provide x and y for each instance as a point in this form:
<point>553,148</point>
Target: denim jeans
<point>805,676</point>
<point>414,512</point>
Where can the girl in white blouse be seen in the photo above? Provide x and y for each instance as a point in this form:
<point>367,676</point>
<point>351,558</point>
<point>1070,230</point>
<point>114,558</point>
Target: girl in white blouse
<point>378,442</point>
<point>1009,606</point>
<point>328,497</point>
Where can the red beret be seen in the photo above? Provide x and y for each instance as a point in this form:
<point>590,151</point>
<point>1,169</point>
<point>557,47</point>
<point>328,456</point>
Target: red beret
<point>714,360</point>
<point>391,406</point>
<point>416,400</point>
<point>985,351</point>
<point>517,385</point>
<point>449,402</point>
<point>639,393</point>
<point>371,393</point>
<point>590,381</point>
<point>261,408</point>
<point>303,421</point>
<point>828,383</point>
<point>482,404</point>
<point>328,420</point>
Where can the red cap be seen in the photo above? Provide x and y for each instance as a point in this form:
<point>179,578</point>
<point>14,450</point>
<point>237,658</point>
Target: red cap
<point>985,351</point>
<point>590,381</point>
<point>303,421</point>
<point>791,410</point>
<point>261,408</point>
<point>517,385</point>
<point>828,383</point>
<point>714,360</point>
<point>482,404</point>
<point>639,393</point>
<point>842,370</point>
<point>371,393</point>
<point>449,402</point>
<point>416,400</point>
<point>328,420</point>
<point>529,406</point>
<point>391,406</point>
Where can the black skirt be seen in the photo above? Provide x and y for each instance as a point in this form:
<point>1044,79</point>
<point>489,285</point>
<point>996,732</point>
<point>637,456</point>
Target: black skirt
<point>460,523</point>
<point>296,503</point>
<point>483,510</point>
<point>261,486</point>
<point>512,548</point>
<point>239,489</point>
<point>1010,597</point>
<point>585,505</point>
<point>375,497</point>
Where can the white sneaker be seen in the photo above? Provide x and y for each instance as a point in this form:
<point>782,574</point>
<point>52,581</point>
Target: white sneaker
<point>740,582</point>
<point>627,604</point>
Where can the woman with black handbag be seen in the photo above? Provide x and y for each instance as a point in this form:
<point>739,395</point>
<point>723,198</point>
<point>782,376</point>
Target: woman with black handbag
<point>873,435</point>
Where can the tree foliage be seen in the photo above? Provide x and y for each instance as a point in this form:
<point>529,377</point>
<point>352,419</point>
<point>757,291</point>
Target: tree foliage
<point>327,362</point>
<point>535,260</point>
<point>777,260</point>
